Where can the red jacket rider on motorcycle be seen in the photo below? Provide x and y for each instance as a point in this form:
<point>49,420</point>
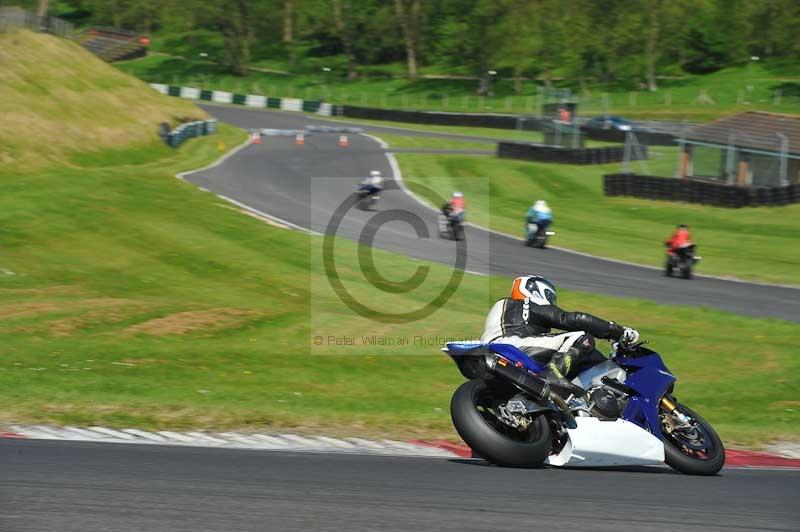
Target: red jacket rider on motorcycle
<point>679,239</point>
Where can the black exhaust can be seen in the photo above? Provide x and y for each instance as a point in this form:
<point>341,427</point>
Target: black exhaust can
<point>537,387</point>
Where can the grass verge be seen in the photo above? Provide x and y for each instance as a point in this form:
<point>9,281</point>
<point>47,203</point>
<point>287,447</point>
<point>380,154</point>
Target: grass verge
<point>480,133</point>
<point>137,300</point>
<point>753,243</point>
<point>402,141</point>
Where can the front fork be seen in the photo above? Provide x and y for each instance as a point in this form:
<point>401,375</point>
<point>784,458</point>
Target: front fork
<point>674,414</point>
<point>668,405</point>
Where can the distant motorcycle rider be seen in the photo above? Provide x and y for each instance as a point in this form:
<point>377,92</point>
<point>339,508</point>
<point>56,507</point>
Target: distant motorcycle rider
<point>455,209</point>
<point>372,185</point>
<point>680,239</point>
<point>526,318</point>
<point>540,214</point>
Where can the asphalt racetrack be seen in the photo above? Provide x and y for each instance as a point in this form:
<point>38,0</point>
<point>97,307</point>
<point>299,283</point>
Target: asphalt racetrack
<point>96,487</point>
<point>306,184</point>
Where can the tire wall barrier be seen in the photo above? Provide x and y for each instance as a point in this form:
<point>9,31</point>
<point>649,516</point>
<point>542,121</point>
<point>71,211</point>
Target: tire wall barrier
<point>692,191</point>
<point>554,154</point>
<point>186,131</point>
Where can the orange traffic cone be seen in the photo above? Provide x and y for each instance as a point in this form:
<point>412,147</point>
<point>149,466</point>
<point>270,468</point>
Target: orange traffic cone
<point>299,139</point>
<point>343,142</point>
<point>256,137</point>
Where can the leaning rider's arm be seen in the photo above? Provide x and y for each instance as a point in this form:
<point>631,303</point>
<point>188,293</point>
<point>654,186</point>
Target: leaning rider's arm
<point>556,318</point>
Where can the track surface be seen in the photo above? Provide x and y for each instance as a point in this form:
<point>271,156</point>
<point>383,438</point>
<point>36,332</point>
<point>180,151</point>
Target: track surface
<point>85,487</point>
<point>274,178</point>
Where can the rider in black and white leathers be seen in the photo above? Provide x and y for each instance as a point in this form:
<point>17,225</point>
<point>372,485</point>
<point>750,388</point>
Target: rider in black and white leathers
<point>527,317</point>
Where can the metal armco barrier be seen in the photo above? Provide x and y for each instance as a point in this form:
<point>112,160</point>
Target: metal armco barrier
<point>554,154</point>
<point>334,129</point>
<point>186,131</point>
<point>693,191</point>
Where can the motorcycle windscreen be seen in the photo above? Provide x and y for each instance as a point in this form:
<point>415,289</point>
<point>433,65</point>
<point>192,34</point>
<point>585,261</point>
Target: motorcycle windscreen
<point>596,443</point>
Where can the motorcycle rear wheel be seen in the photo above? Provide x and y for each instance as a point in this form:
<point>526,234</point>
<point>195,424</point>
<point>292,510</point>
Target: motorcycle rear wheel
<point>498,443</point>
<point>689,456</point>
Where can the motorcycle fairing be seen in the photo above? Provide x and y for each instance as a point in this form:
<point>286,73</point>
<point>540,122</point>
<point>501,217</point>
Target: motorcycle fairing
<point>642,409</point>
<point>597,443</point>
<point>510,352</point>
<point>651,379</point>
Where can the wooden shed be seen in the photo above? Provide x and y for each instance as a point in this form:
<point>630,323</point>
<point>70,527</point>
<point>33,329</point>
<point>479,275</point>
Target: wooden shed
<point>752,149</point>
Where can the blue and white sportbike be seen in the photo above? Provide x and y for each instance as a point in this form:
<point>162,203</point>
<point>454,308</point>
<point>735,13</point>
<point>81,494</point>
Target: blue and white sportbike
<point>619,412</point>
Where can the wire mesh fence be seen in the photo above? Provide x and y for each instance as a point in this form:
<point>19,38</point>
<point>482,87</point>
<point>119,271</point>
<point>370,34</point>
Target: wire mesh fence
<point>15,17</point>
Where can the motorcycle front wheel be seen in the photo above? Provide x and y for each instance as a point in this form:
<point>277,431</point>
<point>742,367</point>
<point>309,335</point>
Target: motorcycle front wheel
<point>473,412</point>
<point>694,449</point>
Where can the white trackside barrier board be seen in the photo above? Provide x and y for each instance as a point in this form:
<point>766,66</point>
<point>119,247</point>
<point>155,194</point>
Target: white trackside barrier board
<point>291,104</point>
<point>324,109</point>
<point>190,92</point>
<point>222,97</point>
<point>254,100</point>
<point>597,443</point>
<point>160,87</point>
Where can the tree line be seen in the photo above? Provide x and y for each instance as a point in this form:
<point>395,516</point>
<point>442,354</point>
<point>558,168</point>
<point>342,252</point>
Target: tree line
<point>625,42</point>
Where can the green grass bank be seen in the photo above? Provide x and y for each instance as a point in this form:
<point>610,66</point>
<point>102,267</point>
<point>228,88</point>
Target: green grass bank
<point>129,298</point>
<point>760,86</point>
<point>753,243</point>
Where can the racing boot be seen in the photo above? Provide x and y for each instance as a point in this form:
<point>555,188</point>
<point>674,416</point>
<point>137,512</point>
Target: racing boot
<point>557,369</point>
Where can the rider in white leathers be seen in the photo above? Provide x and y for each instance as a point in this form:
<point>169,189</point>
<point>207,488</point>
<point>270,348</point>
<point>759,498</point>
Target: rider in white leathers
<point>526,318</point>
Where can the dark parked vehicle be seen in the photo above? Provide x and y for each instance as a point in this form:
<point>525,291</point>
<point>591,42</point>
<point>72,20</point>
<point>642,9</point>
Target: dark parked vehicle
<point>610,122</point>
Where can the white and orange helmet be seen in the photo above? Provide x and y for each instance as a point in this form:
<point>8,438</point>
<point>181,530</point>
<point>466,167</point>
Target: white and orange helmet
<point>535,289</point>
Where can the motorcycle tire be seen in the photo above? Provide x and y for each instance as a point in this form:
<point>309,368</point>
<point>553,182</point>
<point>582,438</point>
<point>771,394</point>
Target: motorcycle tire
<point>458,232</point>
<point>485,438</point>
<point>688,465</point>
<point>686,272</point>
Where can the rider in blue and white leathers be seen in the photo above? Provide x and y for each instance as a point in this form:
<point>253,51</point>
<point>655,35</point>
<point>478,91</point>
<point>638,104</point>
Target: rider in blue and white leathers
<point>540,214</point>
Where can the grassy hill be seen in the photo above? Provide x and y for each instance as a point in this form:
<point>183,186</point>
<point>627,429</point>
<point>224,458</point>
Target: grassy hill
<point>57,100</point>
<point>129,298</point>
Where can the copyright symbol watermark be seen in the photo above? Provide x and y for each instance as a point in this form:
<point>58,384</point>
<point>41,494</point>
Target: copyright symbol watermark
<point>403,213</point>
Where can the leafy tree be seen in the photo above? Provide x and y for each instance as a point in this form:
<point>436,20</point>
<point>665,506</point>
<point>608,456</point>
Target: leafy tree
<point>625,43</point>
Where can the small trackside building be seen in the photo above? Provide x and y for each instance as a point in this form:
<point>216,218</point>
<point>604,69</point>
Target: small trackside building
<point>751,149</point>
